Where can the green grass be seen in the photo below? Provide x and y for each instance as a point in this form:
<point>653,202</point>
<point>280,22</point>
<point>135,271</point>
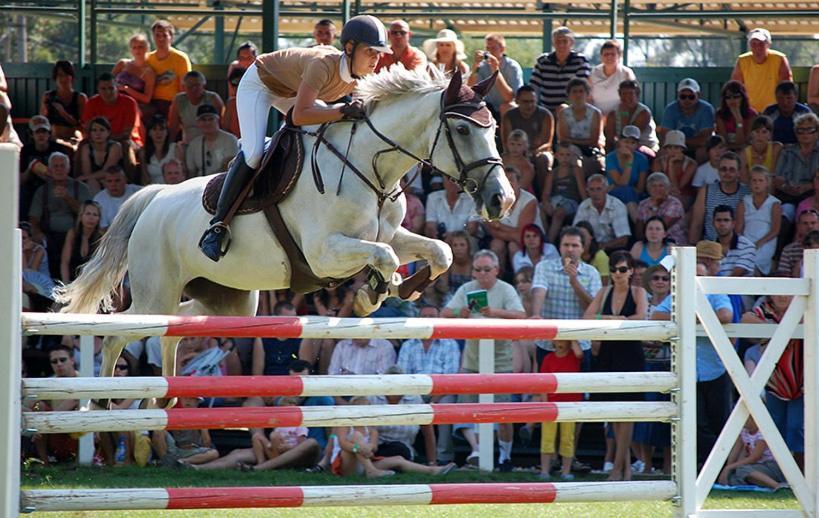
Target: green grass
<point>129,476</point>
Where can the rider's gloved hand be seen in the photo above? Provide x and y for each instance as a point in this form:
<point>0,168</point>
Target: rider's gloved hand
<point>353,110</point>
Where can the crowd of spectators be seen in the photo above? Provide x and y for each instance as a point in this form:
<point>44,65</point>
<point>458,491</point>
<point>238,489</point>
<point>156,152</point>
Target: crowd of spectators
<point>604,189</point>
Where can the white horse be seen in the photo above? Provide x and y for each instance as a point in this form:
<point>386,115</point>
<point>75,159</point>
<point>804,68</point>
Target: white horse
<point>154,236</point>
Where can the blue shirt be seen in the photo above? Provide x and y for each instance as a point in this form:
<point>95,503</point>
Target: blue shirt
<point>639,165</point>
<point>702,118</point>
<point>782,125</point>
<point>709,365</point>
<point>511,72</point>
<point>316,432</point>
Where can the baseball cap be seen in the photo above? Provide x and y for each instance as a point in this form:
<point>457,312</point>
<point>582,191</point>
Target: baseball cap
<point>206,109</point>
<point>436,179</point>
<point>688,84</point>
<point>709,250</point>
<point>39,122</point>
<point>631,132</point>
<point>760,34</point>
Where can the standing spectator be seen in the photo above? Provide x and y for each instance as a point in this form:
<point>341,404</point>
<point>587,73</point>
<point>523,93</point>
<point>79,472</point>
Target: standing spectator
<point>735,115</point>
<point>362,356</point>
<point>510,77</point>
<point>158,151</point>
<point>727,191</point>
<point>81,241</point>
<point>273,356</point>
<point>64,106</point>
<point>791,256</point>
<point>502,302</point>
<point>60,447</point>
<point>446,53</point>
<point>654,246</point>
<point>117,191</point>
<point>580,124</point>
<point>169,64</point>
<point>210,152</point>
<point>135,77</point>
<point>784,112</point>
<point>539,126</point>
<point>813,89</point>
<point>184,108</point>
<point>797,165</point>
<point>691,115</point>
<point>533,248</point>
<point>33,160</point>
<point>245,56</point>
<point>606,77</point>
<point>759,218</point>
<point>563,189</point>
<point>230,122</point>
<point>707,172</point>
<point>505,232</point>
<point>324,32</point>
<point>627,169</point>
<point>402,52</point>
<point>761,69</point>
<point>448,211</point>
<point>97,153</point>
<point>606,214</point>
<point>761,150</point>
<point>55,206</point>
<point>553,71</point>
<point>630,111</point>
<point>661,203</point>
<point>679,168</point>
<point>738,251</point>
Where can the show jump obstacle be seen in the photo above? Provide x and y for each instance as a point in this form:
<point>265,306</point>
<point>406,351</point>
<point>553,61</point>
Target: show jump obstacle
<point>686,489</point>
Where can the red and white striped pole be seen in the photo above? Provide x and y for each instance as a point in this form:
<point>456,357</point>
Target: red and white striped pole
<point>325,496</point>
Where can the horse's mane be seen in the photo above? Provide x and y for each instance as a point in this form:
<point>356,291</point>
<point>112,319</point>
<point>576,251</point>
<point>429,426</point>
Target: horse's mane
<point>398,81</point>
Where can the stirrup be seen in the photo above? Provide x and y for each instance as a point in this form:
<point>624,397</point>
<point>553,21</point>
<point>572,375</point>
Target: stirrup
<point>217,228</point>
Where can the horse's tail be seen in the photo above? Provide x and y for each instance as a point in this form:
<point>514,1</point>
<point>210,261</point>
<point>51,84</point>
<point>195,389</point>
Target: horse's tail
<point>92,290</point>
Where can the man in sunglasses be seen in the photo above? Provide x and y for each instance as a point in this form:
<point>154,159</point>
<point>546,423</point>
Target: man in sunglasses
<point>691,115</point>
<point>59,447</point>
<point>784,112</point>
<point>402,52</point>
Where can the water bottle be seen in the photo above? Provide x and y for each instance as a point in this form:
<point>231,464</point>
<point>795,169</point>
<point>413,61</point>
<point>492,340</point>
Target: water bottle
<point>120,454</point>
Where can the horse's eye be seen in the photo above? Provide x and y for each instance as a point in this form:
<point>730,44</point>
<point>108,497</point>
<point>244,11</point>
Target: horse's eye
<point>462,129</point>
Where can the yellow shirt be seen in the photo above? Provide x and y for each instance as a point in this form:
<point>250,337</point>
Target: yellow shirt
<point>319,67</point>
<point>760,79</point>
<point>169,72</point>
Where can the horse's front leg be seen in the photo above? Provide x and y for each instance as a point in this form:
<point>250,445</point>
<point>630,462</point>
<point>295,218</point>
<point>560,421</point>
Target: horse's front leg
<point>168,345</point>
<point>413,247</point>
<point>340,253</point>
<point>112,347</point>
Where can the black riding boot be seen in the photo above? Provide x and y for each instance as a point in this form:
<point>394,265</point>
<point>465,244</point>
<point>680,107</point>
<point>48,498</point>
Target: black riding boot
<point>213,242</point>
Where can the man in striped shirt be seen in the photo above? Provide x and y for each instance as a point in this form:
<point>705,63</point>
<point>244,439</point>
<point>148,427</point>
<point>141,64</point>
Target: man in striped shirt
<point>739,251</point>
<point>554,70</point>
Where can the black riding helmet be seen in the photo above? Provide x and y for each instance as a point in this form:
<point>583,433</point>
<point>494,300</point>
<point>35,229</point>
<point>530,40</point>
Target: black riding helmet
<point>364,29</point>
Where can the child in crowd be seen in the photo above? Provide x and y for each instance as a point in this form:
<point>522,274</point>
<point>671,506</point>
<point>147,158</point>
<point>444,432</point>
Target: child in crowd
<point>751,462</point>
<point>563,189</point>
<point>280,440</point>
<point>759,216</point>
<point>184,447</point>
<point>523,351</point>
<point>678,167</point>
<point>707,173</point>
<point>516,154</point>
<point>761,150</point>
<point>566,357</point>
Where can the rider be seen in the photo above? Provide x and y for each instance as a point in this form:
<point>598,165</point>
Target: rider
<point>302,79</point>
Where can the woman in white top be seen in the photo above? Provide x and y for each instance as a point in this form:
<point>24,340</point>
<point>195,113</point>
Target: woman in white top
<point>158,150</point>
<point>580,123</point>
<point>446,52</point>
<point>758,218</point>
<point>606,77</point>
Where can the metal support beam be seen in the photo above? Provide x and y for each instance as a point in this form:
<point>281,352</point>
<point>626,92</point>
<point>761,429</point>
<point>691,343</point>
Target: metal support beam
<point>626,29</point>
<point>547,28</point>
<point>81,42</point>
<point>93,32</point>
<point>613,28</point>
<point>218,34</point>
<point>345,11</point>
<point>270,25</point>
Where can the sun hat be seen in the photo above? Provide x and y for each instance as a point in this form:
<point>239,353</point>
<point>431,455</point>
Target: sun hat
<point>709,250</point>
<point>444,35</point>
<point>631,132</point>
<point>675,138</point>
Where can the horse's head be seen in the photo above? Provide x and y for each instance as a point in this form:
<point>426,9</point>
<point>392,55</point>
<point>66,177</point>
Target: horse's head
<point>464,147</point>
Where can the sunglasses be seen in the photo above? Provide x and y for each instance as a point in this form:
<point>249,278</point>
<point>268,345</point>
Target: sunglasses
<point>485,269</point>
<point>687,97</point>
<point>55,361</point>
<point>733,96</point>
<point>122,367</point>
<point>805,131</point>
<point>620,269</point>
<point>398,33</point>
<point>663,278</point>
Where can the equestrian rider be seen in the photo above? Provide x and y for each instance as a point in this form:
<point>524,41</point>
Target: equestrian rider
<point>303,79</point>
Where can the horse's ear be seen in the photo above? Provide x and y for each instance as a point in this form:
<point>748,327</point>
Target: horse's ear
<point>454,89</point>
<point>484,86</point>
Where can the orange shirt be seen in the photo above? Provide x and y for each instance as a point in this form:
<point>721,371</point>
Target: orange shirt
<point>412,58</point>
<point>122,115</point>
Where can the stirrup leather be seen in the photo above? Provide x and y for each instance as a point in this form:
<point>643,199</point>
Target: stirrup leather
<point>217,228</point>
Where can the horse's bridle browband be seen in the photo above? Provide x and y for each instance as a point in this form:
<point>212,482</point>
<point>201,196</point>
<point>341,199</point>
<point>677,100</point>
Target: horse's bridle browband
<point>469,185</point>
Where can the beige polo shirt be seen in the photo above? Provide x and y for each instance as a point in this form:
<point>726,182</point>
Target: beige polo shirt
<point>319,67</point>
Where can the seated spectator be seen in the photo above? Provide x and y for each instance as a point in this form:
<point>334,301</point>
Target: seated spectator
<point>446,53</point>
<point>606,77</point>
<point>173,172</point>
<point>679,168</point>
<point>797,165</point>
<point>230,122</point>
<point>97,153</point>
<point>124,447</point>
<point>64,106</point>
<point>727,191</point>
<point>627,169</point>
<point>117,191</point>
<point>54,208</point>
<point>245,56</point>
<point>813,89</point>
<point>81,241</point>
<point>449,211</point>
<point>59,447</point>
<point>459,272</point>
<point>33,160</point>
<point>273,356</point>
<point>281,440</point>
<point>184,114</point>
<point>690,115</point>
<point>759,218</point>
<point>403,52</point>
<point>185,448</point>
<point>169,65</point>
<point>505,232</point>
<point>554,71</point>
<point>751,462</point>
<point>415,216</point>
<point>791,256</point>
<point>735,115</point>
<point>135,77</point>
<point>361,356</point>
<point>581,124</point>
<point>7,133</point>
<point>158,151</point>
<point>563,189</point>
<point>607,215</point>
<point>784,112</point>
<point>516,154</point>
<point>533,248</point>
<point>539,125</point>
<point>36,277</point>
<point>707,172</point>
<point>328,302</point>
<point>510,75</point>
<point>810,242</point>
<point>761,150</point>
<point>630,111</point>
<point>661,203</point>
<point>738,251</point>
<point>813,201</point>
<point>210,152</point>
<point>654,246</point>
<point>761,69</point>
<point>324,32</point>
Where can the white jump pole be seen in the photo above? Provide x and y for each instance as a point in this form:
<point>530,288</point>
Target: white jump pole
<point>486,431</point>
<point>85,449</point>
<point>811,375</point>
<point>11,349</point>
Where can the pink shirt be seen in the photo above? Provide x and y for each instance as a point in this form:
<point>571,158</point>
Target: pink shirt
<point>291,434</point>
<point>750,439</point>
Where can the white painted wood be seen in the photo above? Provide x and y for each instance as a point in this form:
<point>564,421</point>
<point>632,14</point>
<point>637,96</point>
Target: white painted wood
<point>684,364</point>
<point>93,499</point>
<point>86,442</point>
<point>812,376</point>
<point>387,385</point>
<point>615,491</point>
<point>486,431</point>
<point>335,496</point>
<point>753,285</point>
<point>750,513</point>
<point>10,343</point>
<point>752,330</point>
<point>135,387</point>
<point>95,421</point>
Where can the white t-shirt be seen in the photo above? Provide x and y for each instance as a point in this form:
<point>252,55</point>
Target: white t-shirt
<point>604,89</point>
<point>110,205</point>
<point>706,173</point>
<point>210,160</point>
<point>438,210</point>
